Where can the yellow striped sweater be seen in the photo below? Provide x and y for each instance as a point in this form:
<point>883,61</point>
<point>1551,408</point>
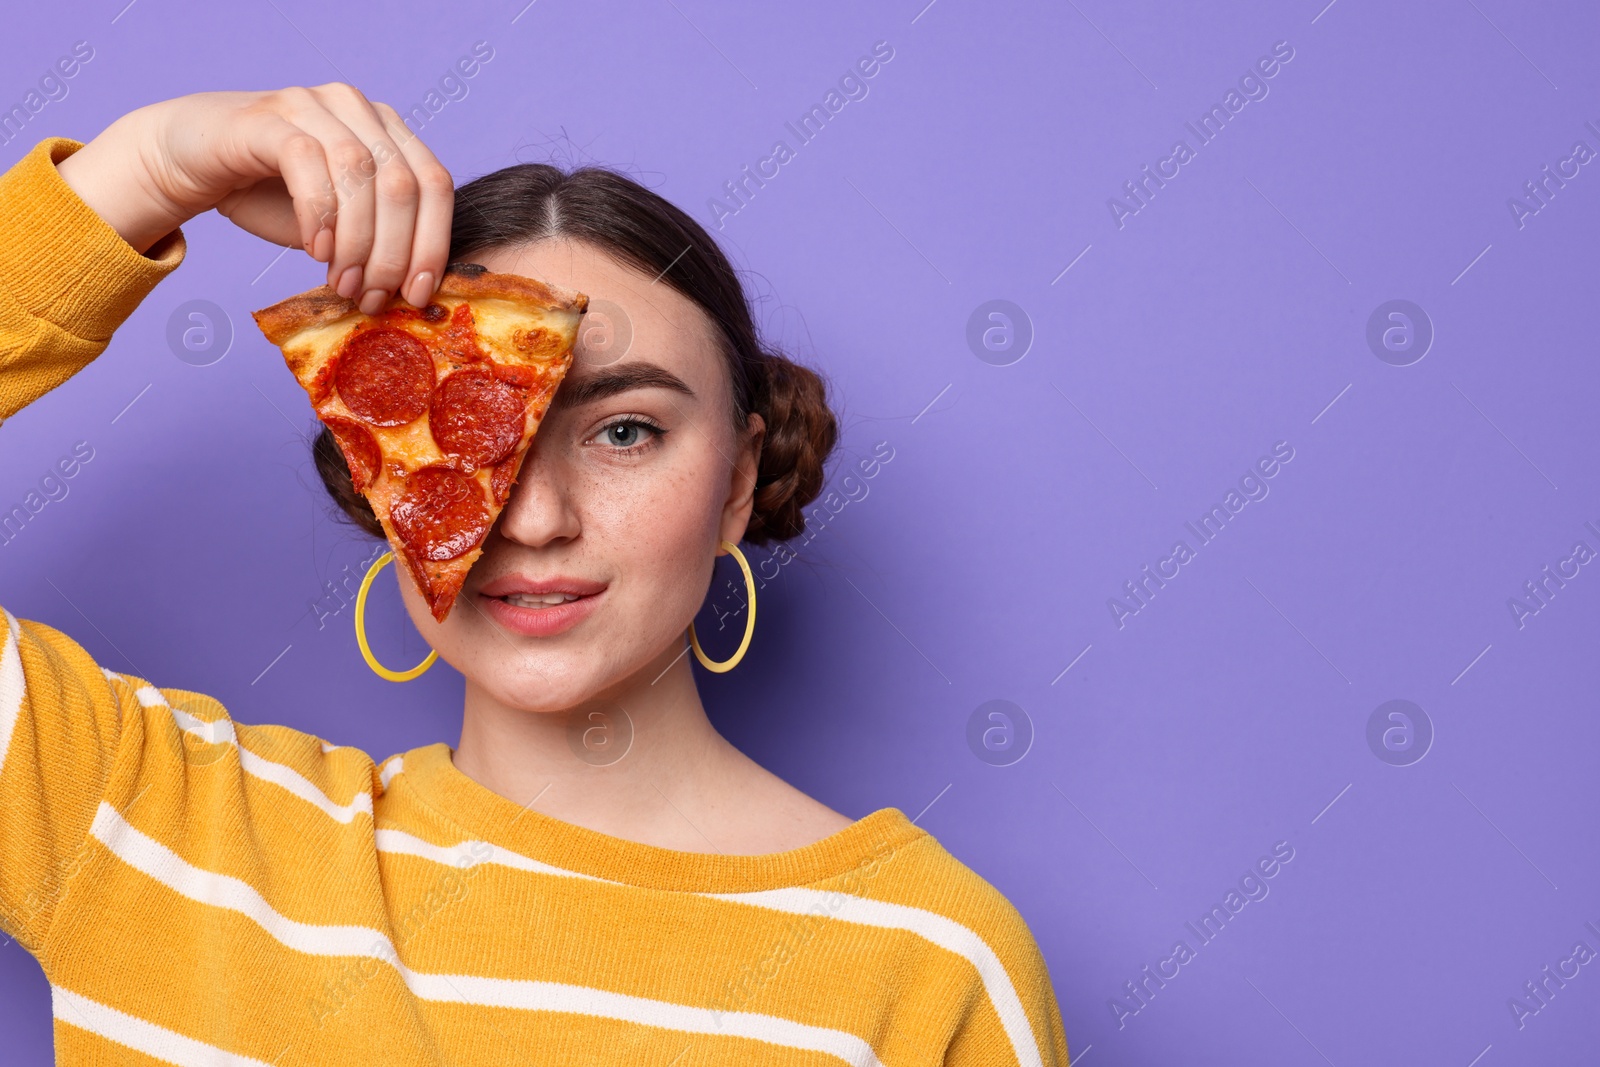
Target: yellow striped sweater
<point>199,891</point>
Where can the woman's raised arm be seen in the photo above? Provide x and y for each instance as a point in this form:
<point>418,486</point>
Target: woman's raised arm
<point>86,232</point>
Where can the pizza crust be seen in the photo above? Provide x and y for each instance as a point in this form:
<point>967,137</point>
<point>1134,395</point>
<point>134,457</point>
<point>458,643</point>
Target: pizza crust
<point>474,285</point>
<point>322,306</point>
<point>317,307</point>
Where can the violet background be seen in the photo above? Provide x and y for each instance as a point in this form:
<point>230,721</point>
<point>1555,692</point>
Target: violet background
<point>1225,316</point>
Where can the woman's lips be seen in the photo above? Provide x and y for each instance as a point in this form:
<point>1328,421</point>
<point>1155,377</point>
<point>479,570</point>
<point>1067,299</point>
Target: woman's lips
<point>540,622</point>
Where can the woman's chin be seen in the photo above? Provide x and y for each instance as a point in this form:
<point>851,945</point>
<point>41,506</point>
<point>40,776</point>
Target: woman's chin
<point>536,684</point>
<point>586,664</point>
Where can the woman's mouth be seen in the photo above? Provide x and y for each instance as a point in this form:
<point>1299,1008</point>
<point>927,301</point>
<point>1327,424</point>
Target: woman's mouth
<point>529,600</point>
<point>540,614</point>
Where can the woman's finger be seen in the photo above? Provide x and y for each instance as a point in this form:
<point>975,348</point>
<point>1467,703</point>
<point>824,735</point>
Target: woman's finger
<point>396,192</point>
<point>352,168</point>
<point>430,239</point>
<point>289,151</point>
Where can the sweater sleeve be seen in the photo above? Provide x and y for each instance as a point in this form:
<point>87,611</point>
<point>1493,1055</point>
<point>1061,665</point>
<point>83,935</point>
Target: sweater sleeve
<point>67,281</point>
<point>1022,1026</point>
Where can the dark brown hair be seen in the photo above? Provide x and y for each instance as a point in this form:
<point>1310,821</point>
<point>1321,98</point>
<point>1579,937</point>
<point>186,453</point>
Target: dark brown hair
<point>533,201</point>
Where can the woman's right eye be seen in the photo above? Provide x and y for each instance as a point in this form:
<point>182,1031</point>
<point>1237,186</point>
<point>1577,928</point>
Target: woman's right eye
<point>623,435</point>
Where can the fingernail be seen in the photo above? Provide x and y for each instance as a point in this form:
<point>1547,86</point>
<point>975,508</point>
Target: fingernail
<point>421,288</point>
<point>372,301</point>
<point>322,245</point>
<point>349,282</point>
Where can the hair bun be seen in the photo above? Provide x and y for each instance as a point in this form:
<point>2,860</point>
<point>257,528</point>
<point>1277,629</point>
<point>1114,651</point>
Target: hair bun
<point>801,432</point>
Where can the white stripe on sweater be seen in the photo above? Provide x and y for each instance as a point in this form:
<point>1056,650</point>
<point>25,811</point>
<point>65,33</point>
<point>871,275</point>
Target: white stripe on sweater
<point>288,778</point>
<point>224,891</point>
<point>154,1041</point>
<point>395,766</point>
<point>151,857</point>
<point>13,685</point>
<point>930,926</point>
<point>468,854</point>
<point>221,732</point>
<point>581,1000</point>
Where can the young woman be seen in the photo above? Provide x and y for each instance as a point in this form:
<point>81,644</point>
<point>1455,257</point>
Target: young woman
<point>200,891</point>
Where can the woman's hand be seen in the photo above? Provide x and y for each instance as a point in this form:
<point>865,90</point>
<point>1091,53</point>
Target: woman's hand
<point>323,168</point>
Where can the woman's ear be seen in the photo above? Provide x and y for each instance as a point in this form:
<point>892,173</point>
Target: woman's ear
<point>742,487</point>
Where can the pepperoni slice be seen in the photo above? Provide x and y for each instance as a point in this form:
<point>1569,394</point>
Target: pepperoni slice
<point>501,480</point>
<point>441,515</point>
<point>477,416</point>
<point>361,452</point>
<point>385,376</point>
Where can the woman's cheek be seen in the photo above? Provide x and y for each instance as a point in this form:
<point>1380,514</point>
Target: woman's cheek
<point>665,535</point>
<point>662,498</point>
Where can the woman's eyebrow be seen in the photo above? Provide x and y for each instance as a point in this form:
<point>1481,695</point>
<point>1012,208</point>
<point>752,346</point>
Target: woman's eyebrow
<point>609,382</point>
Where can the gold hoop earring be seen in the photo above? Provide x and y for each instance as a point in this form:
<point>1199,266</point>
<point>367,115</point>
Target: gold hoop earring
<point>749,623</point>
<point>361,631</point>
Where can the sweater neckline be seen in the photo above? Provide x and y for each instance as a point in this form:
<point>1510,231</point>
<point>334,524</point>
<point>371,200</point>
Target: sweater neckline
<point>432,773</point>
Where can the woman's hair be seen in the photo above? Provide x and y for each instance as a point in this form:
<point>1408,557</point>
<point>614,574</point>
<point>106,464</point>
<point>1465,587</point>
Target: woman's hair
<point>533,201</point>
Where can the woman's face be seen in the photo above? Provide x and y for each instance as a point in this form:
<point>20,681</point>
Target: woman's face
<point>635,476</point>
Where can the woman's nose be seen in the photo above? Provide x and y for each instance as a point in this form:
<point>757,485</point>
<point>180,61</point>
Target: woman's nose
<point>539,509</point>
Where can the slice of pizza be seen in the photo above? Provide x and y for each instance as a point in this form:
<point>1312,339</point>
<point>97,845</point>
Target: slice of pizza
<point>433,407</point>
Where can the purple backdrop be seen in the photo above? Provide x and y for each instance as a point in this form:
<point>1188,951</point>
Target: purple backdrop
<point>1170,318</point>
